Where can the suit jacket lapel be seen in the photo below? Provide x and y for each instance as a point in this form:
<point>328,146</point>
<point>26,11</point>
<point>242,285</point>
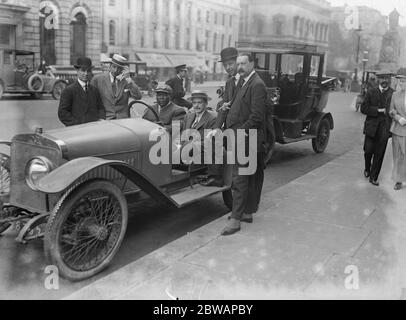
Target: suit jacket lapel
<point>191,120</point>
<point>244,89</point>
<point>82,94</point>
<point>108,87</point>
<point>203,120</point>
<point>120,89</point>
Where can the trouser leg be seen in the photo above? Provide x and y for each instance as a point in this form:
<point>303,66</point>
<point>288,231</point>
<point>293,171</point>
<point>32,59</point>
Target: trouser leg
<point>256,183</point>
<point>240,190</point>
<point>379,156</point>
<point>369,149</point>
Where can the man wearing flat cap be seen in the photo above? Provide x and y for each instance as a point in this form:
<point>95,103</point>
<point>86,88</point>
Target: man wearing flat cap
<point>117,89</point>
<point>81,102</point>
<point>178,85</point>
<point>165,108</point>
<point>377,125</point>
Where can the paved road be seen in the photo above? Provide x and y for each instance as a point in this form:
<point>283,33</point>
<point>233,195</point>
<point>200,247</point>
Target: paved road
<point>151,226</point>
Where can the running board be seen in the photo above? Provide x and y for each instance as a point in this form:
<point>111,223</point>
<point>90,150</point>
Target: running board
<point>190,195</point>
<point>303,138</point>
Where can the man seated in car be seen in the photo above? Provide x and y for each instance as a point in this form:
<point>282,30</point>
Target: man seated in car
<point>201,118</point>
<point>166,110</point>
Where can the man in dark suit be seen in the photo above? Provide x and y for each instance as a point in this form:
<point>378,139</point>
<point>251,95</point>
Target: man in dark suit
<point>229,60</point>
<point>81,102</point>
<point>377,126</point>
<point>178,84</point>
<point>117,89</point>
<point>165,108</point>
<point>247,112</point>
<point>200,118</point>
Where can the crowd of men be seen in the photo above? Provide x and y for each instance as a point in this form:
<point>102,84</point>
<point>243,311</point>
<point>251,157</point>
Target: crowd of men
<point>110,95</point>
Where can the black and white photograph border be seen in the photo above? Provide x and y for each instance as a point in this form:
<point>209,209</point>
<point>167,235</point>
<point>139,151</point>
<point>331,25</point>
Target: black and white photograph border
<point>314,89</point>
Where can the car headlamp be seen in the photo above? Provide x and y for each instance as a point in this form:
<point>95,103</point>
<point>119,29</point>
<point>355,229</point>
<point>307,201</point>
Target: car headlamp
<point>36,169</point>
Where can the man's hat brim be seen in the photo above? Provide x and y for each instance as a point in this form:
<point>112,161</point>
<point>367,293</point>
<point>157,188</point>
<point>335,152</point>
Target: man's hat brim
<point>190,99</point>
<point>83,67</point>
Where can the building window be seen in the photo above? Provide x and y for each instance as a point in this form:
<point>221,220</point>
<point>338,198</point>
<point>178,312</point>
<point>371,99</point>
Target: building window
<point>223,21</point>
<point>166,37</point>
<point>222,41</point>
<point>5,32</point>
<point>230,38</point>
<point>207,16</point>
<point>142,42</point>
<point>187,38</point>
<point>155,6</point>
<point>199,15</point>
<point>112,3</point>
<point>206,44</point>
<point>177,39</point>
<point>129,4</point>
<point>142,5</point>
<point>112,33</point>
<point>216,17</point>
<point>129,32</point>
<point>215,42</point>
<point>231,21</point>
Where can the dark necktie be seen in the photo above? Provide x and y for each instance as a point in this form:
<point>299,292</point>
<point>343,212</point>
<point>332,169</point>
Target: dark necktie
<point>194,126</point>
<point>86,88</point>
<point>114,86</point>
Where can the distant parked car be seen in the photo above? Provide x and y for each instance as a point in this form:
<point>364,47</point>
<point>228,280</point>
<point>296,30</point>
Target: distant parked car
<point>19,76</point>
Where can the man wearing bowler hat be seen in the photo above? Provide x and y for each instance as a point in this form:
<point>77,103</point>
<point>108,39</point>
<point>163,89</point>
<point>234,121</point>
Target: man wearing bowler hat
<point>81,102</point>
<point>229,60</point>
<point>117,89</point>
<point>178,85</point>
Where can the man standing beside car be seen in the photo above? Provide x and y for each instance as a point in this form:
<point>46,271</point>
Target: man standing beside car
<point>117,89</point>
<point>377,126</point>
<point>246,112</point>
<point>81,102</point>
<point>178,85</point>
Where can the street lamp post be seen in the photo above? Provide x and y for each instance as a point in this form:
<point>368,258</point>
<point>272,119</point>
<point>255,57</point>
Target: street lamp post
<point>355,84</point>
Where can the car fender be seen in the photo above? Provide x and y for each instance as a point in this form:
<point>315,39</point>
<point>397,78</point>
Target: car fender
<point>6,143</point>
<point>66,175</point>
<point>316,119</point>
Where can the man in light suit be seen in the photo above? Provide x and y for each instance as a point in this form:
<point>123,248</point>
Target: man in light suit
<point>117,89</point>
<point>247,112</point>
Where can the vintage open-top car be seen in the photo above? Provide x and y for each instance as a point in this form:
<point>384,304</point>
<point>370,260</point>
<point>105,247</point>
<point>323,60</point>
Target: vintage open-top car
<point>298,92</point>
<point>18,76</point>
<point>69,186</point>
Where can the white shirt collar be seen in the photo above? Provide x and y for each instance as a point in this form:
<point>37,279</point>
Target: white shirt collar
<point>382,89</point>
<point>82,84</point>
<point>249,77</point>
<point>112,78</point>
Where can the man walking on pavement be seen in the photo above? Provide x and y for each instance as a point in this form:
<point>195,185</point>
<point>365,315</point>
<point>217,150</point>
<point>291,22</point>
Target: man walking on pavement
<point>178,85</point>
<point>117,89</point>
<point>377,126</point>
<point>247,112</point>
<point>81,102</point>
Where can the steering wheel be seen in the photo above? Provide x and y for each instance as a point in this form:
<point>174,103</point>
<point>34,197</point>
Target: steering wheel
<point>158,121</point>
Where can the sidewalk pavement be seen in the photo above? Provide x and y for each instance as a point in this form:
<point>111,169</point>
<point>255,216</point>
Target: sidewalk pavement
<point>327,235</point>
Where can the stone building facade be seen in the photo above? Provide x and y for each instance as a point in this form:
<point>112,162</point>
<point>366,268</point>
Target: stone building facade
<point>56,30</point>
<point>165,33</point>
<point>372,24</point>
<point>299,21</point>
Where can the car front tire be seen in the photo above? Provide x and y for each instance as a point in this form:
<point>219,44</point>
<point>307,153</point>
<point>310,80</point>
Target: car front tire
<point>86,229</point>
<point>323,136</point>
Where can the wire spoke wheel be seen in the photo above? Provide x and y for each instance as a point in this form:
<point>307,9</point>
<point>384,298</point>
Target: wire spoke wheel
<point>323,136</point>
<point>87,231</point>
<point>58,89</point>
<point>4,175</point>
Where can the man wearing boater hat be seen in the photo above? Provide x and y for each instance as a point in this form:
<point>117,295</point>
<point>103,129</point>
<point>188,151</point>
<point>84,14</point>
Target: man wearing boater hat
<point>178,85</point>
<point>117,89</point>
<point>81,102</point>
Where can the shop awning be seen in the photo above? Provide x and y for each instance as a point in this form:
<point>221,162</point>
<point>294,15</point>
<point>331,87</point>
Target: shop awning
<point>177,60</point>
<point>154,60</point>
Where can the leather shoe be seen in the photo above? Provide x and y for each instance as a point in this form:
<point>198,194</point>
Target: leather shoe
<point>367,174</point>
<point>374,182</point>
<point>233,227</point>
<point>212,182</point>
<point>247,218</point>
<point>398,186</point>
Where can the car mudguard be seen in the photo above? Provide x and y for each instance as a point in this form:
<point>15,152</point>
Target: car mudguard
<point>315,119</point>
<point>66,175</point>
<point>6,143</point>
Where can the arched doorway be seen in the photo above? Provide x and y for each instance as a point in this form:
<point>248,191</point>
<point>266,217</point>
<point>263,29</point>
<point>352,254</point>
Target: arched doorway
<point>78,37</point>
